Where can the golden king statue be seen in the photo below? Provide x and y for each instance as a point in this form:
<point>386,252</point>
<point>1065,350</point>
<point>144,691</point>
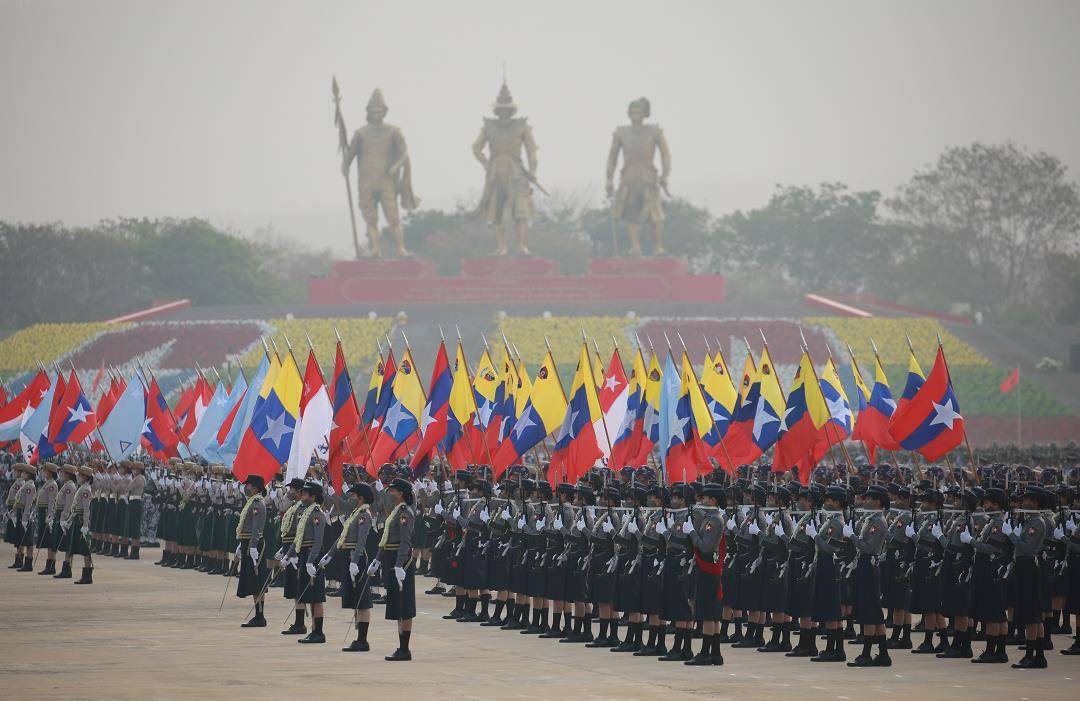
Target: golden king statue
<point>507,197</point>
<point>383,174</point>
<point>637,201</point>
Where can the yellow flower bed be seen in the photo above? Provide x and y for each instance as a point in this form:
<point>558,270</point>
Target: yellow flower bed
<point>564,333</point>
<point>888,333</point>
<point>358,339</point>
<point>23,349</point>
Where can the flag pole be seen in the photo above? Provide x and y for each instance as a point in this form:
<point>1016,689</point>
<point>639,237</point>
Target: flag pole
<point>828,438</point>
<point>693,376</point>
<point>967,444</point>
<point>603,419</point>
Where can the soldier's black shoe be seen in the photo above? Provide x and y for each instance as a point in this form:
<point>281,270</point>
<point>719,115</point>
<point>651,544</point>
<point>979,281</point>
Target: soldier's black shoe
<point>295,629</point>
<point>572,638</point>
<point>778,646</point>
<point>65,571</point>
<point>883,660</point>
<point>862,661</point>
<point>647,652</point>
<point>28,565</point>
<point>492,622</point>
<point>987,658</point>
<point>437,589</point>
<point>954,653</point>
<point>1074,649</point>
<point>716,659</point>
<point>675,656</point>
<point>399,655</point>
<point>829,656</point>
<point>924,649</point>
<point>901,644</point>
<point>454,615</point>
<point>257,622</point>
<point>552,634</point>
<point>602,641</point>
<point>313,637</point>
<point>802,652</point>
<point>50,567</point>
<point>17,564</point>
<point>356,646</point>
<point>626,646</point>
<point>468,617</point>
<point>87,576</point>
<point>699,660</point>
<point>1065,628</point>
<point>749,642</point>
<point>1031,663</point>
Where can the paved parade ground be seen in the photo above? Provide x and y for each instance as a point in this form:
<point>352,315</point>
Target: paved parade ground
<point>143,632</point>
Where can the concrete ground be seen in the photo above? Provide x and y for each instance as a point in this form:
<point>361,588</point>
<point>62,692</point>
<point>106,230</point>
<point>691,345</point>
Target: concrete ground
<point>143,632</point>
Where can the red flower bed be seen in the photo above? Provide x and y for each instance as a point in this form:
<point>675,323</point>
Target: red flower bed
<point>205,344</point>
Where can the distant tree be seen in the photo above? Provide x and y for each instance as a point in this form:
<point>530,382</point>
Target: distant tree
<point>1004,210</point>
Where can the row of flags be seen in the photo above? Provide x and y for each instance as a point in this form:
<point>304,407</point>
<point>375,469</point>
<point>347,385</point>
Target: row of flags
<point>662,413</point>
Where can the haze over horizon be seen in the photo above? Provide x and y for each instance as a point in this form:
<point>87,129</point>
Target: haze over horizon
<point>144,109</point>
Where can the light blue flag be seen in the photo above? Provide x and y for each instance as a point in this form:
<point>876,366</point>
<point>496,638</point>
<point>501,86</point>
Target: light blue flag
<point>124,425</point>
<point>231,445</point>
<point>210,421</point>
<point>211,448</point>
<point>669,398</point>
<point>38,421</point>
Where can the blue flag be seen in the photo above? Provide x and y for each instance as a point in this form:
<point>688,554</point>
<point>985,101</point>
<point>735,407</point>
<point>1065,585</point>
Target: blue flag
<point>124,425</point>
<point>211,447</point>
<point>231,445</point>
<point>669,398</point>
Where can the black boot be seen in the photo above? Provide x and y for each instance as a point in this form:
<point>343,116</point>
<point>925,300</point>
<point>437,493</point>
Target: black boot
<point>1075,648</point>
<point>675,654</point>
<point>65,571</point>
<point>774,641</point>
<point>633,639</point>
<point>960,648</point>
<point>258,620</point>
<point>990,654</point>
<point>298,627</point>
<point>402,654</point>
<point>124,550</point>
<point>705,657</point>
<point>361,643</point>
<point>496,619</point>
<point>316,635</point>
<point>649,648</point>
<point>882,659</point>
<point>602,639</point>
<point>469,614</point>
<point>18,562</point>
<point>555,630</point>
<point>164,557</point>
<point>27,565</point>
<point>50,567</point>
<point>903,640</point>
<point>87,576</point>
<point>459,608</point>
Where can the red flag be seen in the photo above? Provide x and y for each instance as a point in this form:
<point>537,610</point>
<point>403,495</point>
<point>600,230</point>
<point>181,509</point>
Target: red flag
<point>161,434</point>
<point>1011,381</point>
<point>97,377</point>
<point>346,419</point>
<point>931,422</point>
<point>433,420</point>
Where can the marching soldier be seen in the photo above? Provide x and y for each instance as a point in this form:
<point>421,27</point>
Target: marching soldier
<point>290,521</point>
<point>827,575</point>
<point>304,553</point>
<point>136,487</point>
<point>65,502</point>
<point>869,543</point>
<point>993,554</point>
<point>708,544</point>
<point>46,507</point>
<point>1027,544</point>
<point>395,559</point>
<point>356,594</point>
<point>24,518</point>
<point>79,530</point>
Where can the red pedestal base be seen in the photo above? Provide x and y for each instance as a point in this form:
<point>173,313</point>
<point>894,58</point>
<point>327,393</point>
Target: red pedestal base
<point>514,280</point>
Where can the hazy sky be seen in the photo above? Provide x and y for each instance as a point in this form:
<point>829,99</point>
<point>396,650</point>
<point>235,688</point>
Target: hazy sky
<point>222,109</point>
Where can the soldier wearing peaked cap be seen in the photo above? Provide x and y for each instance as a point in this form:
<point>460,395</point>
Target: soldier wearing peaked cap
<point>22,514</point>
<point>395,560</point>
<point>356,594</point>
<point>79,532</point>
<point>869,543</point>
<point>46,507</point>
<point>62,517</point>
<point>1028,539</point>
<point>305,552</point>
<point>993,553</point>
<point>135,489</point>
<point>291,508</point>
<point>707,538</point>
<point>827,575</point>
<point>249,550</point>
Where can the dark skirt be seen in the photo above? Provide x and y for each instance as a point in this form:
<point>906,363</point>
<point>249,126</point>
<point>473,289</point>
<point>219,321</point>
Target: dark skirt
<point>355,593</point>
<point>44,533</point>
<point>576,582</point>
<point>312,589</point>
<point>867,590</point>
<point>652,586</point>
<point>555,581</point>
<point>751,584</point>
<point>800,586</point>
<point>519,570</point>
<point>628,588</point>
<point>474,563</point>
<point>220,541</point>
<point>1072,599</point>
<point>59,536</point>
<point>400,601</point>
<point>826,589</point>
<point>186,536</point>
<point>134,519</point>
<point>289,590</point>
<point>77,544</point>
<point>730,580</point>
<point>18,536</point>
<point>707,600</point>
<point>1026,594</point>
<point>896,584</point>
<point>440,558</point>
<point>420,534</point>
<point>498,567</point>
<point>455,575</point>
<point>987,592</point>
<point>536,586</point>
<point>9,531</point>
<point>676,597</point>
<point>774,585</point>
<point>601,582</point>
<point>926,589</point>
<point>120,521</point>
<point>955,587</point>
<point>251,579</point>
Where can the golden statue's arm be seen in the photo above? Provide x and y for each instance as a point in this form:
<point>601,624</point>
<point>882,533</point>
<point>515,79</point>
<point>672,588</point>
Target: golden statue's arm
<point>665,158</point>
<point>530,150</point>
<point>478,149</point>
<point>402,152</point>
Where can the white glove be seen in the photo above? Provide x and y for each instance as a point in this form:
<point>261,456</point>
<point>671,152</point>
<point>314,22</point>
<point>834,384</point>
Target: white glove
<point>606,527</point>
<point>559,525</point>
<point>1070,525</point>
<point>373,568</point>
<point>325,560</point>
<point>669,521</point>
<point>731,524</point>
<point>754,529</point>
<point>354,570</point>
<point>456,513</point>
<point>85,532</point>
<point>632,526</point>
<point>438,508</point>
<point>279,554</point>
<point>237,553</point>
<point>688,526</point>
<point>496,490</point>
<point>965,537</point>
<point>936,531</point>
<point>848,530</point>
<point>254,553</point>
<point>660,527</point>
<point>1059,534</point>
<point>378,485</point>
<point>811,530</point>
<point>310,569</point>
<point>580,523</point>
<point>399,574</point>
<point>541,524</point>
<point>505,514</point>
<point>591,510</point>
<point>1006,528</point>
<point>909,530</point>
<point>521,522</point>
<point>447,485</point>
<point>768,519</point>
<point>743,511</point>
<point>779,530</point>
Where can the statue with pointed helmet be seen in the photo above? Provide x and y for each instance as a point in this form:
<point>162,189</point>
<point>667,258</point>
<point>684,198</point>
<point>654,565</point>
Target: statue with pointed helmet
<point>383,175</point>
<point>507,197</point>
<point>637,200</point>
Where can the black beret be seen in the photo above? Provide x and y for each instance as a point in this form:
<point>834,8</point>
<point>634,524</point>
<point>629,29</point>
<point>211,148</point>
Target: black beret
<point>296,483</point>
<point>256,481</point>
<point>363,490</point>
<point>401,485</point>
<point>313,488</point>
